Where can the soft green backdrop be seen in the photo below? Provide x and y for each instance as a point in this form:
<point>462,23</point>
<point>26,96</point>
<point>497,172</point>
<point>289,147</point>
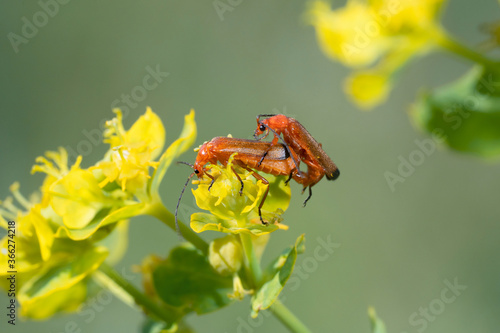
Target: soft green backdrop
<point>396,249</point>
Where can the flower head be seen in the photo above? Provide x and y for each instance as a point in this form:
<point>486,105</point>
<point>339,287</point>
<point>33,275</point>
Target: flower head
<point>52,272</point>
<point>132,152</point>
<point>233,212</point>
<point>81,217</point>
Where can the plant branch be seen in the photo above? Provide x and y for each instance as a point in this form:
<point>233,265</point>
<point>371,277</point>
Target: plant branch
<point>452,45</point>
<point>125,290</point>
<point>251,258</point>
<point>287,318</point>
<point>159,211</point>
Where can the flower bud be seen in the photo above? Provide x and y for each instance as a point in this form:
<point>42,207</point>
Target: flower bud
<point>225,255</point>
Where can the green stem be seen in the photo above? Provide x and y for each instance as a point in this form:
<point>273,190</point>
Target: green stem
<point>454,46</point>
<point>287,318</point>
<point>251,259</point>
<point>159,211</point>
<point>139,298</point>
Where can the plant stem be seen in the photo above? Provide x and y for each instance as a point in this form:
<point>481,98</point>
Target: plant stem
<point>159,211</point>
<point>251,258</point>
<point>287,318</point>
<point>454,46</point>
<point>139,298</point>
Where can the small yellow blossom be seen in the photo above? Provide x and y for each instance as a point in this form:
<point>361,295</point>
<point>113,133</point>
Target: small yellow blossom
<point>368,88</point>
<point>132,152</point>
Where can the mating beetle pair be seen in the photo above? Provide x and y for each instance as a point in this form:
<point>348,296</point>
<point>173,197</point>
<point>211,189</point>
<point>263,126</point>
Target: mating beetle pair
<point>279,159</point>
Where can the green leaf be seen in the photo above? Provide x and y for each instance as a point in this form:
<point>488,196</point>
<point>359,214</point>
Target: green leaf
<point>464,114</point>
<point>186,280</point>
<point>203,221</point>
<point>60,288</point>
<point>277,276</point>
<point>179,146</point>
<point>377,325</point>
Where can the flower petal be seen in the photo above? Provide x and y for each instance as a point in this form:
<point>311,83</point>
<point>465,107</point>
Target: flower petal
<point>179,146</point>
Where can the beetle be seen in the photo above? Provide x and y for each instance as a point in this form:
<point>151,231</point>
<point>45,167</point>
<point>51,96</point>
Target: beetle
<point>278,162</point>
<point>302,143</point>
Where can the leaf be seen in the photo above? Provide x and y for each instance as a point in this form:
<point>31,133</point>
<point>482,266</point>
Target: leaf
<point>465,115</point>
<point>59,288</point>
<point>186,280</point>
<point>101,220</point>
<point>279,272</point>
<point>203,221</point>
<point>179,146</point>
<point>377,325</point>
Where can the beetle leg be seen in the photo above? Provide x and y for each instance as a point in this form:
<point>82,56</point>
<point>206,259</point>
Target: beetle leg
<point>212,182</point>
<point>309,197</point>
<point>239,178</point>
<point>265,181</point>
<point>289,178</point>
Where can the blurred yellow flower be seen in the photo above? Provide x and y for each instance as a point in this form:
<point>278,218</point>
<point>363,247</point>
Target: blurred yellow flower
<point>340,33</point>
<point>384,34</point>
<point>368,88</point>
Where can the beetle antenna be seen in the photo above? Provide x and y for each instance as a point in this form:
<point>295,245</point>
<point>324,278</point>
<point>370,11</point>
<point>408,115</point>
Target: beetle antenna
<point>178,203</point>
<point>267,115</point>
<point>186,163</point>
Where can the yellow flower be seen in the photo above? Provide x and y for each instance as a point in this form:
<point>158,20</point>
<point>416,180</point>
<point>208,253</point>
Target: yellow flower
<point>80,219</point>
<point>132,152</point>
<point>341,33</point>
<point>406,17</point>
<point>382,33</point>
<point>235,213</point>
<point>52,272</point>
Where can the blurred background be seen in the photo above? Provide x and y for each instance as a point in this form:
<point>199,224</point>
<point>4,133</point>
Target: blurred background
<point>396,248</point>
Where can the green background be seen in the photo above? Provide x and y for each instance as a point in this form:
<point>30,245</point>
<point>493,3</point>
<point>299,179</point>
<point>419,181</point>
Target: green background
<point>396,248</point>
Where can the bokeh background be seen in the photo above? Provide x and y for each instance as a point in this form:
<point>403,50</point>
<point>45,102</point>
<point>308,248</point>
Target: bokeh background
<point>396,248</point>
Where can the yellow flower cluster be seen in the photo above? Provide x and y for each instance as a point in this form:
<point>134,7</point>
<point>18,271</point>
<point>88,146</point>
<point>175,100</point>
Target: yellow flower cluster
<point>377,37</point>
<point>80,219</point>
<point>235,213</point>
